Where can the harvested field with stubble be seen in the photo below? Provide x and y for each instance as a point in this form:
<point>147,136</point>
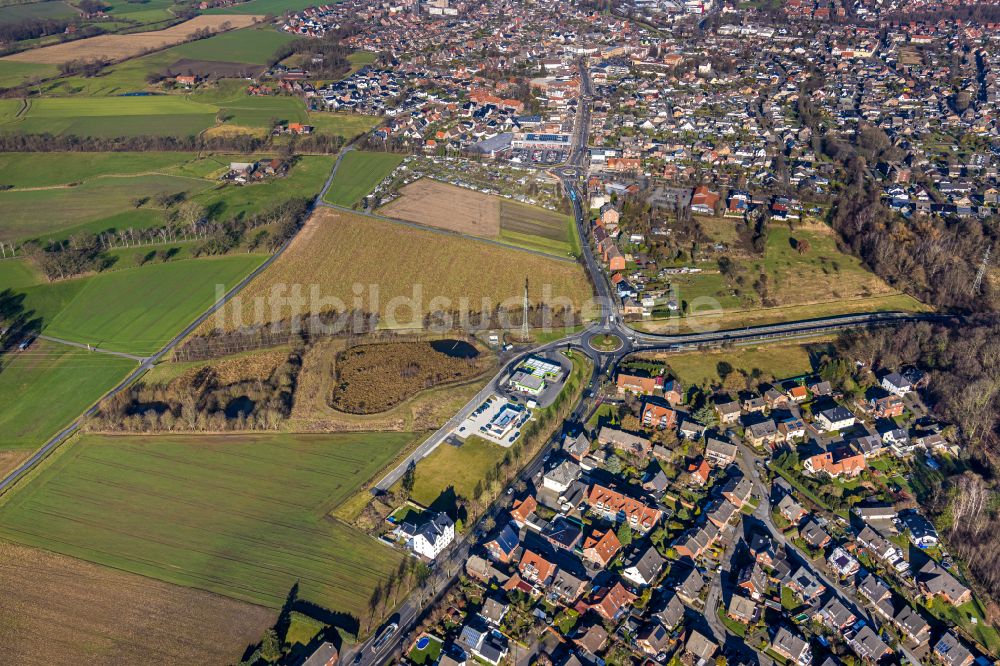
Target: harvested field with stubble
<point>443,206</point>
<point>337,250</point>
<point>59,610</point>
<point>229,370</point>
<point>121,47</point>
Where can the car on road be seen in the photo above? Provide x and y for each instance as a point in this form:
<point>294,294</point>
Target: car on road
<point>510,491</point>
<point>387,632</point>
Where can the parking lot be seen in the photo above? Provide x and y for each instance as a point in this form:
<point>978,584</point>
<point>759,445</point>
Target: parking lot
<point>506,419</point>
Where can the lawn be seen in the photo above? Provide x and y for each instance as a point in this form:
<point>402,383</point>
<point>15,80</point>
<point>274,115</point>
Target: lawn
<point>777,360</point>
<point>337,251</point>
<point>45,387</point>
<point>136,310</point>
<point>358,174</point>
<point>454,468</point>
<point>243,516</point>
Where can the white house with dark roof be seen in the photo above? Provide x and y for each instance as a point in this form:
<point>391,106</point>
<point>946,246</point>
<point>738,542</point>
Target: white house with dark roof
<point>429,537</point>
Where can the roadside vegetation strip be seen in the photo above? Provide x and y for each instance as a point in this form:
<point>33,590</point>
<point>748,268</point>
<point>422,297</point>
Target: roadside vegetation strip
<point>358,174</point>
<point>138,504</point>
<point>336,250</point>
<point>137,310</point>
<point>47,385</point>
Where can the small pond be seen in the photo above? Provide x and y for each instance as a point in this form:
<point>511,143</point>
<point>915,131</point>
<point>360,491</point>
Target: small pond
<point>455,348</point>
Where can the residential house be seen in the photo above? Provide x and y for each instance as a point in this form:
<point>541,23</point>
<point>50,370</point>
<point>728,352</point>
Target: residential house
<point>699,472</point>
<point>428,537</point>
<point>600,547</point>
<point>523,511</point>
<point>896,384</point>
<point>324,655</point>
<point>577,447</point>
<point>562,533</point>
<point>658,416</point>
<point>742,610</point>
<point>493,611</point>
<point>638,384</point>
<point>839,461</point>
<point>625,441</point>
<point>562,477</point>
<point>842,562</point>
<point>814,534</point>
<point>835,418</point>
<point>673,392</point>
<point>868,645</point>
<point>615,506</point>
<point>653,639</point>
<point>836,615</point>
<point>737,490</point>
<point>669,612</point>
<point>611,603</point>
<point>873,589</point>
<point>933,580</point>
<point>951,651</point>
<point>728,412</point>
<point>806,584</point>
<point>501,547</point>
<point>535,568</point>
<point>567,586</point>
<point>765,432</point>
<point>689,585</point>
<point>887,407</point>
<point>791,509</point>
<point>694,544</point>
<point>791,646</point>
<point>719,452</point>
<point>489,645</point>
<point>754,580</point>
<point>643,566</point>
<point>700,648</point>
<point>691,430</point>
<point>791,429</point>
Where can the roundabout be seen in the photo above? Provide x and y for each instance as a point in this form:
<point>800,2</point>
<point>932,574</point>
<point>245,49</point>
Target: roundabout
<point>605,343</point>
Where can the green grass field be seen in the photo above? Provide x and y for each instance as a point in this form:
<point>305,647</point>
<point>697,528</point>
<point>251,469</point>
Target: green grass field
<point>778,360</point>
<point>46,386</point>
<point>16,273</point>
<point>456,468</point>
<point>87,207</point>
<point>47,9</point>
<point>105,187</point>
<point>253,46</point>
<point>160,115</point>
<point>47,169</point>
<point>245,516</point>
<point>136,310</point>
<point>358,174</point>
<point>305,179</point>
<point>538,229</point>
<point>13,73</point>
<point>276,7</point>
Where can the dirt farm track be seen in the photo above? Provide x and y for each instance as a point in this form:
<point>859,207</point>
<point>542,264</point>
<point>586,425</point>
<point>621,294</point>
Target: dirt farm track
<point>121,47</point>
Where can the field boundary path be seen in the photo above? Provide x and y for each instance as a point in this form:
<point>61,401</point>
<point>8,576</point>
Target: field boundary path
<point>91,348</point>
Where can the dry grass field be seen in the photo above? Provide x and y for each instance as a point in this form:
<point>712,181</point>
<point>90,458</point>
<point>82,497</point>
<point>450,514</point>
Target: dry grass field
<point>59,610</point>
<point>229,370</point>
<point>436,204</point>
<point>122,47</point>
<point>342,261</point>
<point>426,410</point>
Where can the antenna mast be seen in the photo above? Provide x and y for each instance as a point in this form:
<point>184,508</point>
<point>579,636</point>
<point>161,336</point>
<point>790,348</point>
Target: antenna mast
<point>524,322</point>
<point>982,271</point>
